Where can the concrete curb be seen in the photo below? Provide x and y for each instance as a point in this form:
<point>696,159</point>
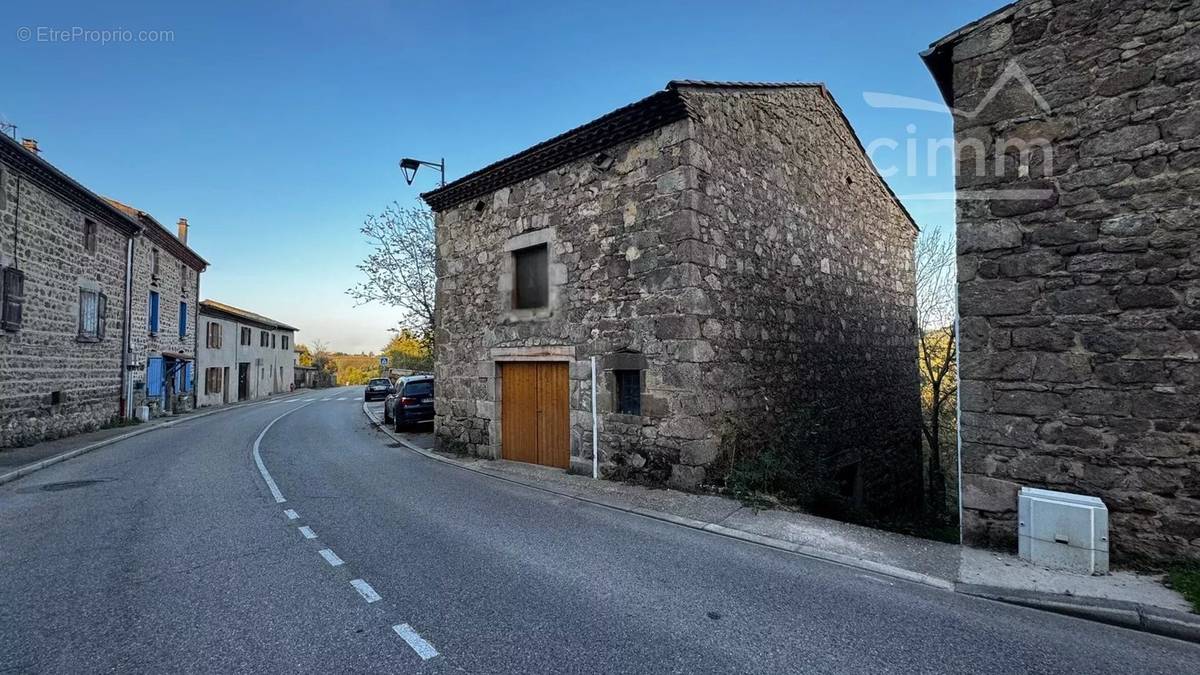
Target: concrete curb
<point>1165,622</point>
<point>1170,623</point>
<point>712,528</point>
<point>22,471</point>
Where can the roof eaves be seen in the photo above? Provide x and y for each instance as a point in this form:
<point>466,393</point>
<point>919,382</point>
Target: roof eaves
<point>239,314</point>
<point>623,124</point>
<point>937,56</point>
<point>161,235</point>
<point>54,179</point>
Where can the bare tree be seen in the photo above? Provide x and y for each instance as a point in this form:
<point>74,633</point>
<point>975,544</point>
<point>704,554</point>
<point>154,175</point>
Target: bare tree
<point>401,269</point>
<point>936,278</point>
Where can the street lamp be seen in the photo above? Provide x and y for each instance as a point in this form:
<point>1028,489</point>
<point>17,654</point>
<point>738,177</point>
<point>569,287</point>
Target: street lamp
<point>409,166</point>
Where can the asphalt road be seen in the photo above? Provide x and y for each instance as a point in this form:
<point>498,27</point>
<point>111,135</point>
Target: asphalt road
<point>179,558</point>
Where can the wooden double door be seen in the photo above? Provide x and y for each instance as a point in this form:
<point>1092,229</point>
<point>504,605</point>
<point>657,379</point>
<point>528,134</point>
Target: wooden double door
<point>535,413</point>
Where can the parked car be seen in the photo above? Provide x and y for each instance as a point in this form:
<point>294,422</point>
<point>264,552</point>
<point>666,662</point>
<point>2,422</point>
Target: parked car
<point>378,388</point>
<point>411,402</point>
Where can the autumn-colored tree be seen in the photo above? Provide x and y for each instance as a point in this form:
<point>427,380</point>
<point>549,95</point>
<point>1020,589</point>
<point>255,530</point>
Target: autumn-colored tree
<point>410,351</point>
<point>937,358</point>
<point>304,355</point>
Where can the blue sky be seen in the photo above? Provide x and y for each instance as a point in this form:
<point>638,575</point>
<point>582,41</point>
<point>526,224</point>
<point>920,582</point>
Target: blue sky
<point>275,127</point>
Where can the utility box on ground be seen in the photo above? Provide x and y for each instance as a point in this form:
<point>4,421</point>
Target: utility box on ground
<point>1063,530</point>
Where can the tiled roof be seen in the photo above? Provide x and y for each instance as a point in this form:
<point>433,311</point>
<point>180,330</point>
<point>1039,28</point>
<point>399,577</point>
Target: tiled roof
<point>673,84</point>
<point>625,123</point>
<point>212,306</point>
<point>631,121</point>
<point>161,235</point>
<point>50,177</point>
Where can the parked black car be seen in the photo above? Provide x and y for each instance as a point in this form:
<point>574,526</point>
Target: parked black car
<point>378,388</point>
<point>410,402</point>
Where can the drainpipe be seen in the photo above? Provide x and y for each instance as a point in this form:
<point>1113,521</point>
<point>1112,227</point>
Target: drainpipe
<point>127,337</point>
<point>595,427</point>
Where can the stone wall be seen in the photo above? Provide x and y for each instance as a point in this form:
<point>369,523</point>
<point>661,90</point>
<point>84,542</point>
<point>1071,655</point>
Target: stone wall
<point>45,355</point>
<point>1080,314</point>
<point>666,256</point>
<point>620,279</point>
<point>807,260</point>
<point>175,283</point>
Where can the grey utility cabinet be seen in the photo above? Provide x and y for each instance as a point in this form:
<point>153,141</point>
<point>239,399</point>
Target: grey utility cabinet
<point>1063,530</point>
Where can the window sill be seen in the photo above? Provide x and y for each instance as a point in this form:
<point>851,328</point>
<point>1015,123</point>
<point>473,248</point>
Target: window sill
<point>86,338</point>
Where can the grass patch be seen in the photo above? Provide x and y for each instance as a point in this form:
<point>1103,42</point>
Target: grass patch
<point>1186,580</point>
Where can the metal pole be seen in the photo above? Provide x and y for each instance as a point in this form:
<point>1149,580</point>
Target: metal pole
<point>595,427</point>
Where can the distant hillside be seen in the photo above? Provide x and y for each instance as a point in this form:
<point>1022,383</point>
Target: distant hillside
<point>355,368</point>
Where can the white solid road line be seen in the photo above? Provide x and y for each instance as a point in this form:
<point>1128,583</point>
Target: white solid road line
<point>418,643</point>
<point>258,459</point>
<point>292,515</point>
<point>364,589</point>
<point>330,557</point>
<point>307,532</point>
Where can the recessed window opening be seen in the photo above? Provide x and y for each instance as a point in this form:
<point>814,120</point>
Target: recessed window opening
<point>531,277</point>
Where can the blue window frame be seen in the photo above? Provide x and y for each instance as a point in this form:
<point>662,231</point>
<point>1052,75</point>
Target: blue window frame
<point>153,311</point>
<point>183,319</point>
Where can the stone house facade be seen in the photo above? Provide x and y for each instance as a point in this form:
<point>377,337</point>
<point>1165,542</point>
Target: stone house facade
<point>164,308</point>
<point>63,281</point>
<point>1079,255</point>
<point>241,355</point>
<point>725,251</point>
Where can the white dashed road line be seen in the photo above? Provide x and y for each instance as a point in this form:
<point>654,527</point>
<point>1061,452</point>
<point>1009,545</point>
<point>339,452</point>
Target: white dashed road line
<point>364,589</point>
<point>292,515</point>
<point>330,557</point>
<point>418,643</point>
<point>342,398</point>
<point>307,532</point>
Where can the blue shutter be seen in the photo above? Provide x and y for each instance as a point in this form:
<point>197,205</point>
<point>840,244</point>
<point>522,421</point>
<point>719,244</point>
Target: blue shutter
<point>154,313</point>
<point>189,379</point>
<point>154,376</point>
<point>183,319</point>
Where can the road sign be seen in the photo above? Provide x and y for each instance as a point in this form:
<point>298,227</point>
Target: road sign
<point>383,362</point>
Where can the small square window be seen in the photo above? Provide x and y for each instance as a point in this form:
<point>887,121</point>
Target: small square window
<point>531,277</point>
<point>629,391</point>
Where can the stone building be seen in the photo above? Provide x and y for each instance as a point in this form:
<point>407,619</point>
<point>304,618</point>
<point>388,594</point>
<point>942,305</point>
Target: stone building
<point>1077,123</point>
<point>63,312</point>
<point>725,250</point>
<point>164,305</point>
<point>242,355</point>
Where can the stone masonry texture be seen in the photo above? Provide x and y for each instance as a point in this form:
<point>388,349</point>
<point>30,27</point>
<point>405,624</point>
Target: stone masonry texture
<point>738,256</point>
<point>41,233</point>
<point>1079,301</point>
